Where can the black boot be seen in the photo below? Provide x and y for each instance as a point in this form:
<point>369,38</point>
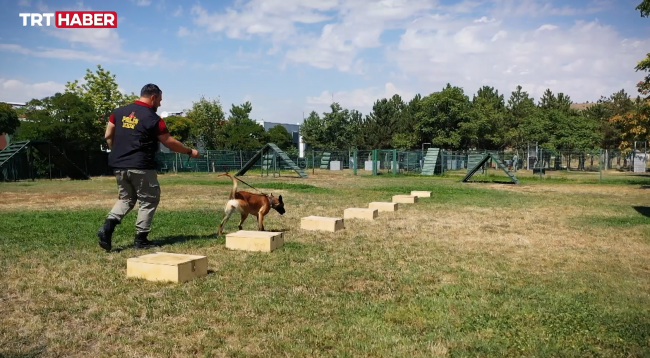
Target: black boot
<point>105,233</point>
<point>141,241</point>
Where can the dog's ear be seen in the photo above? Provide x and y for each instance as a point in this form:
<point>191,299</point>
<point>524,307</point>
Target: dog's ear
<point>280,198</point>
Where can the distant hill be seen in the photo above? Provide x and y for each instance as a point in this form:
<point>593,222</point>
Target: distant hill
<point>581,106</point>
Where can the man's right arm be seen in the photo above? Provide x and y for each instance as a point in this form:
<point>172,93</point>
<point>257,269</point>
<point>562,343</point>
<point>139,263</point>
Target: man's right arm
<point>170,142</point>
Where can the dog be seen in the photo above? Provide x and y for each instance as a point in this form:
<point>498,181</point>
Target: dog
<point>246,203</point>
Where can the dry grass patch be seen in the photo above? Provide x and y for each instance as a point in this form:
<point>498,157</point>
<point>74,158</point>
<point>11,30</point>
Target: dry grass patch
<point>472,271</point>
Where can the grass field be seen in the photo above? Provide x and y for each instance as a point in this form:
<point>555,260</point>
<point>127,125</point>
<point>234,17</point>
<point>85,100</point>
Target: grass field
<point>546,268</point>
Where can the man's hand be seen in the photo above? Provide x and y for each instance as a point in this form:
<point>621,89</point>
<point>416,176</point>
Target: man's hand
<point>195,153</point>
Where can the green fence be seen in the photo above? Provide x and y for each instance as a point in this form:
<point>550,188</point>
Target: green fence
<point>360,162</point>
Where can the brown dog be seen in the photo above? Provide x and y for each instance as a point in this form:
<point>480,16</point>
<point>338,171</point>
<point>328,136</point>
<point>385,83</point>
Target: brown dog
<point>247,203</point>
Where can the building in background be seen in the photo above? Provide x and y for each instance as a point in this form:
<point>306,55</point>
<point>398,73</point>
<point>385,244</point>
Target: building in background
<point>294,131</point>
<point>5,139</point>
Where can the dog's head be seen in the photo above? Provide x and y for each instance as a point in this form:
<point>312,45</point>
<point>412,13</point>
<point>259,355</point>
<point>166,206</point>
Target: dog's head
<point>277,204</point>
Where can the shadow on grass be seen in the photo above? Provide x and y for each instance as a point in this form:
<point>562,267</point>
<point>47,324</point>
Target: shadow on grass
<point>170,240</point>
<point>33,353</point>
<point>643,210</point>
<point>490,182</point>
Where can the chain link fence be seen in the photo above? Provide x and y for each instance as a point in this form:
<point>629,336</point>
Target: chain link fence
<point>431,161</point>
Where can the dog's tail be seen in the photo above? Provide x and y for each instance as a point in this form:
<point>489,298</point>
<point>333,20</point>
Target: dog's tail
<point>234,186</point>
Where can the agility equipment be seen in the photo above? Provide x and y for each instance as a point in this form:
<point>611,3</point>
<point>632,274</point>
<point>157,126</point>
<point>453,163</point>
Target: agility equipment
<point>264,241</point>
<point>14,154</point>
<point>405,199</point>
<point>321,223</point>
<point>430,161</point>
<point>268,149</point>
<point>360,213</point>
<point>421,194</point>
<point>383,206</point>
<point>164,266</point>
<point>479,164</point>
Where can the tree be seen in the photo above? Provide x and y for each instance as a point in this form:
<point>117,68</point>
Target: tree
<point>66,120</point>
<point>313,130</point>
<point>382,123</point>
<point>332,131</point>
<point>280,136</point>
<point>180,127</point>
<point>208,119</point>
<point>644,8</point>
<point>522,111</point>
<point>634,124</point>
<point>101,91</point>
<point>241,132</point>
<point>486,128</point>
<point>644,65</point>
<point>442,114</point>
<point>9,121</point>
<point>407,137</point>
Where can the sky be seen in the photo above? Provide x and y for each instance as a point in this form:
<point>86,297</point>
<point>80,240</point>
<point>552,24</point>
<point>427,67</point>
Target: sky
<point>289,57</point>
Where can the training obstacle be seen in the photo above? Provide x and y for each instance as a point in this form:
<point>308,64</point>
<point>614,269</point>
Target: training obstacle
<point>264,241</point>
<point>321,223</point>
<point>381,206</point>
<point>421,194</point>
<point>405,199</point>
<point>487,157</point>
<point>164,266</point>
<point>360,213</point>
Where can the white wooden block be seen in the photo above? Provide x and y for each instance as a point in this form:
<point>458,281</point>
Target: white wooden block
<point>322,223</point>
<point>360,213</point>
<point>405,199</point>
<point>164,266</point>
<point>380,206</point>
<point>421,194</point>
<point>264,241</point>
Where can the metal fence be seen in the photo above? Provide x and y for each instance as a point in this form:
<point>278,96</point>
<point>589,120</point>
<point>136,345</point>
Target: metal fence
<point>360,162</point>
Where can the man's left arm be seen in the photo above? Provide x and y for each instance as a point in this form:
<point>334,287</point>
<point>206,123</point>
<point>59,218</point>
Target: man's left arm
<point>110,132</point>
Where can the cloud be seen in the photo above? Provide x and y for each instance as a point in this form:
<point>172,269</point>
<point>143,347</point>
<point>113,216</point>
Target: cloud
<point>142,58</point>
<point>348,27</point>
<point>13,90</point>
<point>183,31</point>
<point>142,2</point>
<point>564,59</point>
<point>540,8</point>
<point>63,54</point>
<point>178,12</point>
<point>98,39</point>
<point>359,99</point>
<point>24,3</point>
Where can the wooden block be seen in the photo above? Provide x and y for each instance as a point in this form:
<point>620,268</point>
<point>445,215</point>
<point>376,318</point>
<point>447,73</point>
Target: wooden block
<point>322,223</point>
<point>383,206</point>
<point>405,199</point>
<point>164,266</point>
<point>264,241</point>
<point>360,213</point>
<point>421,194</point>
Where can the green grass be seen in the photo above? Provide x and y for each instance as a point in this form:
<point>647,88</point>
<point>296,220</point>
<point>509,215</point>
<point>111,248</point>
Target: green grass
<point>450,276</point>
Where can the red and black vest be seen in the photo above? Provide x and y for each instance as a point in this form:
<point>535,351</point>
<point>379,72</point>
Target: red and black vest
<point>135,142</point>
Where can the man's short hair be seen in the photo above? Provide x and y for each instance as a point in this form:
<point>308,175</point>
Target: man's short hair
<point>149,90</point>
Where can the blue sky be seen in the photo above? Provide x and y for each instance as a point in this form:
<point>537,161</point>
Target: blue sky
<point>289,57</point>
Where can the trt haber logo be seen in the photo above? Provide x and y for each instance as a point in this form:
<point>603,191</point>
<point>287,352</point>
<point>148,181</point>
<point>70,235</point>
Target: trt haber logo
<point>72,19</point>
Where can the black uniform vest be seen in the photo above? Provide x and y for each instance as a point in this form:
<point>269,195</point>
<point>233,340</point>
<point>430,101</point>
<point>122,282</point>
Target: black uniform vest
<point>135,142</point>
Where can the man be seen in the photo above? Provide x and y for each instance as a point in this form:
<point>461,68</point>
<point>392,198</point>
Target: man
<point>133,133</point>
